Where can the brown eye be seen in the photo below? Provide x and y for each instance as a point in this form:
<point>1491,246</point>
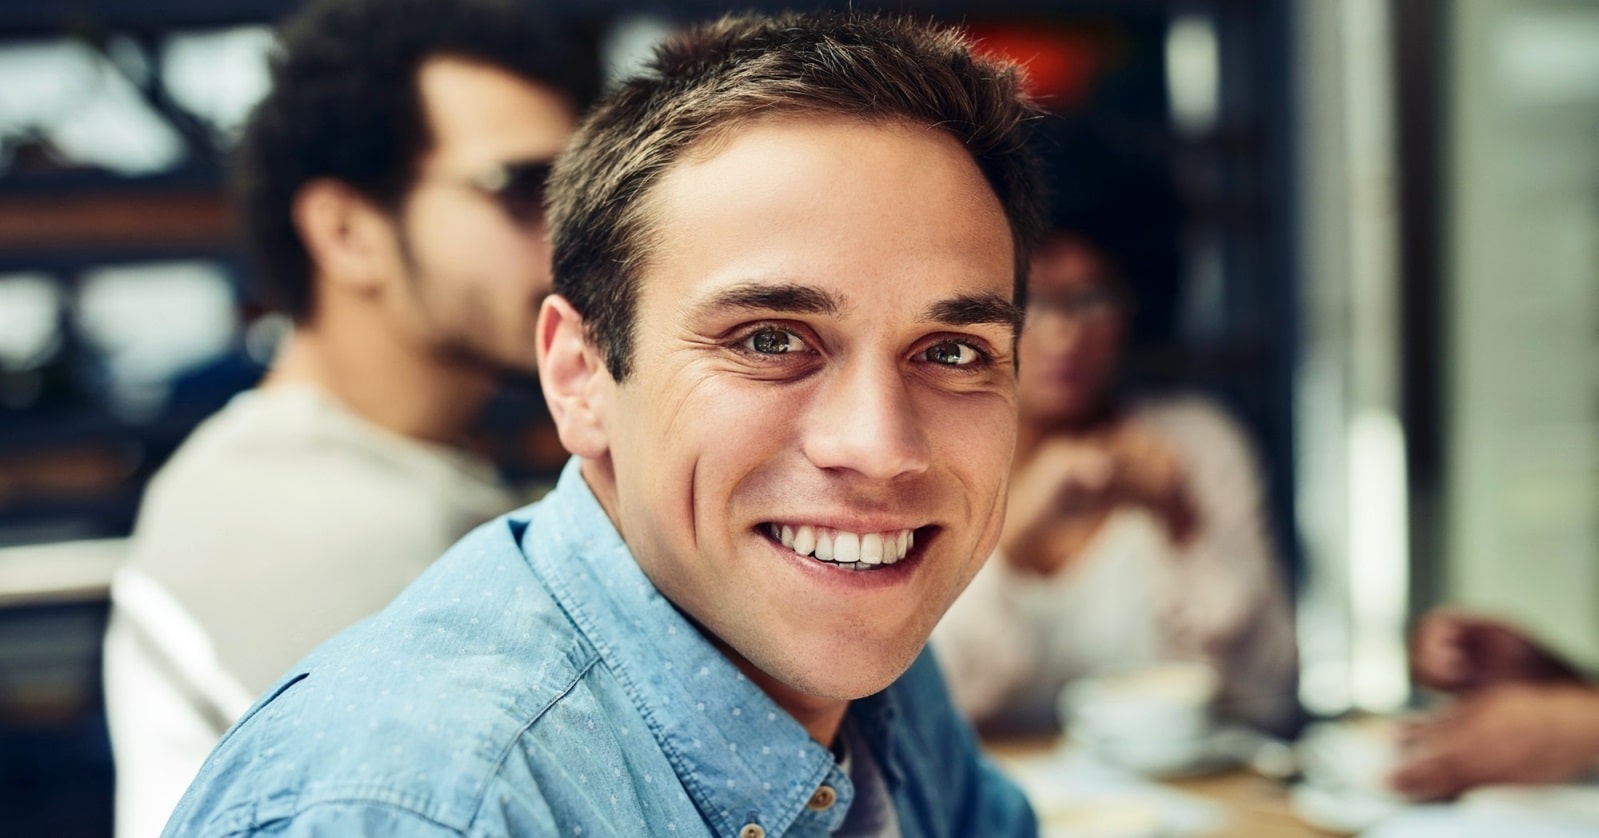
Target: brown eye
<point>774,342</point>
<point>952,353</point>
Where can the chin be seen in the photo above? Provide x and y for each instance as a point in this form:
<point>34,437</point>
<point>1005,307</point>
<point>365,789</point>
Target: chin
<point>497,362</point>
<point>836,686</point>
<point>846,672</point>
<point>512,370</point>
<point>518,376</point>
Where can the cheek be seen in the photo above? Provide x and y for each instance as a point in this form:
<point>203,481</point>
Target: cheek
<point>1105,342</point>
<point>477,241</point>
<point>654,501</point>
<point>741,433</point>
<point>1027,342</point>
<point>1050,340</point>
<point>715,432</point>
<point>977,435</point>
<point>1035,342</point>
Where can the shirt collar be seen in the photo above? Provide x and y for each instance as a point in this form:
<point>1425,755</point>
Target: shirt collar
<point>742,758</point>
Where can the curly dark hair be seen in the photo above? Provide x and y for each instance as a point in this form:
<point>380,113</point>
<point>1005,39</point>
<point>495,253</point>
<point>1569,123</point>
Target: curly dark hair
<point>344,104</point>
<point>1112,189</point>
<point>723,74</point>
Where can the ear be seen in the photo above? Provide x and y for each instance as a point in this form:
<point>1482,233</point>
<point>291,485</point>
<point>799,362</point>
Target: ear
<point>576,383</point>
<point>351,242</point>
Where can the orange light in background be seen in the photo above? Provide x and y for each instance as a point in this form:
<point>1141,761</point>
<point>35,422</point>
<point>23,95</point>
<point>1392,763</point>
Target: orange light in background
<point>1062,62</point>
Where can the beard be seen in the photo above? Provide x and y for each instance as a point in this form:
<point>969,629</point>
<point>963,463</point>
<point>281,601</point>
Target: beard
<point>464,341</point>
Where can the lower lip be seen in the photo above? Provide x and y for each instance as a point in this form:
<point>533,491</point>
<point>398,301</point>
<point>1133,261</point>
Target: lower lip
<point>845,580</point>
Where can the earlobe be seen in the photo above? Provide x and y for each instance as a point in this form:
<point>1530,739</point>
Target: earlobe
<point>576,384</point>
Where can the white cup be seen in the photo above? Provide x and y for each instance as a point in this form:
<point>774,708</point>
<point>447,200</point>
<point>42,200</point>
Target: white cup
<point>1354,755</point>
<point>1151,719</point>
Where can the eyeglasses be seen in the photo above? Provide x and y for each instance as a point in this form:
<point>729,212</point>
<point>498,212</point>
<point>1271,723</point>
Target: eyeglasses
<point>518,187</point>
<point>1087,306</point>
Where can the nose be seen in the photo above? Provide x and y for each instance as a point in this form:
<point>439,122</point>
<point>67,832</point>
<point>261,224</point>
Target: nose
<point>864,421</point>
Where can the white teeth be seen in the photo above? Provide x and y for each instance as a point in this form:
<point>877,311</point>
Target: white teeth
<point>845,548</point>
<point>871,548</point>
<point>804,540</point>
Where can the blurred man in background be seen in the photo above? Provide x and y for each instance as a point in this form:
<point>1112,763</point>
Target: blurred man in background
<point>1522,715</point>
<point>390,185</point>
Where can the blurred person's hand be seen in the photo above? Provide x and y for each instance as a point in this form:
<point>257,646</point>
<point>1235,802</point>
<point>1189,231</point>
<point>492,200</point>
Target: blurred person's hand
<point>1459,652</point>
<point>1071,483</point>
<point>1510,733</point>
<point>1147,472</point>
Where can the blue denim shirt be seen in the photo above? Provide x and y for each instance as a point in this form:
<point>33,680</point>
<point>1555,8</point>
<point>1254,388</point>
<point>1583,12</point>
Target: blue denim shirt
<point>534,682</point>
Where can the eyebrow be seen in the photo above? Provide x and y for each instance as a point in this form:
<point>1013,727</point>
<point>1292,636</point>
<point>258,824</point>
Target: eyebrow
<point>964,310</point>
<point>798,299</point>
<point>975,310</point>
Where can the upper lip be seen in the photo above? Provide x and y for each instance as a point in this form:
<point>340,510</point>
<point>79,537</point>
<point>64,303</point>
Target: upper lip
<point>855,524</point>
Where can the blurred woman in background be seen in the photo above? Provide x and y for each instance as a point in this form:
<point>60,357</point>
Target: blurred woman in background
<point>1136,532</point>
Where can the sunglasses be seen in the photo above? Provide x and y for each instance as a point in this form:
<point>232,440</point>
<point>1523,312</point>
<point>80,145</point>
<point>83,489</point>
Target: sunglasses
<point>518,187</point>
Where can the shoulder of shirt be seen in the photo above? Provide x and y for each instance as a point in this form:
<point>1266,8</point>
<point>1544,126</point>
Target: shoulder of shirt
<point>1183,410</point>
<point>415,707</point>
<point>1197,425</point>
<point>280,452</point>
<point>305,431</point>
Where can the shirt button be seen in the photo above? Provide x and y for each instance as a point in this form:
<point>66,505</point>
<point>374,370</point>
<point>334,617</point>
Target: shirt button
<point>752,830</point>
<point>823,799</point>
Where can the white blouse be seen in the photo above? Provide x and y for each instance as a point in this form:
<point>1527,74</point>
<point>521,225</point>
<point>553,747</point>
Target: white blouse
<point>1134,598</point>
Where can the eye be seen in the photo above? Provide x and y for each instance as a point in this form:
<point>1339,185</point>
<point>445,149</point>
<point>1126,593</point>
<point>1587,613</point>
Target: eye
<point>953,353</point>
<point>774,342</point>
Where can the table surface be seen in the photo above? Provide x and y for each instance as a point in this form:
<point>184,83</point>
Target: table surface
<point>1258,807</point>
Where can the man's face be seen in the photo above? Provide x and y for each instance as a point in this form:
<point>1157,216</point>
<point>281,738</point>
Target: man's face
<point>823,357</point>
<point>477,274</point>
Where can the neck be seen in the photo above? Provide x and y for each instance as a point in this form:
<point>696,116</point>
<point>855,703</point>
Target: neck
<point>395,385</point>
<point>821,717</point>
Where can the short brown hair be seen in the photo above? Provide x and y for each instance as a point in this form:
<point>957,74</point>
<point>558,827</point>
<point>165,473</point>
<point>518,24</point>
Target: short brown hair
<point>722,74</point>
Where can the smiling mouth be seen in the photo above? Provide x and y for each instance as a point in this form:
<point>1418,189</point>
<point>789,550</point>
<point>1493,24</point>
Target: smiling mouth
<point>843,549</point>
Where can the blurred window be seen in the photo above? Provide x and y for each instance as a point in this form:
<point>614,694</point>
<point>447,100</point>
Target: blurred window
<point>70,105</point>
<point>219,76</point>
<point>1193,74</point>
<point>30,332</point>
<point>150,323</point>
<point>82,109</point>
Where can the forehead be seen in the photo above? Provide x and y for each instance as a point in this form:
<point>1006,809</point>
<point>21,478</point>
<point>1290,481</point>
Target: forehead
<point>478,114</point>
<point>863,207</point>
<point>1067,263</point>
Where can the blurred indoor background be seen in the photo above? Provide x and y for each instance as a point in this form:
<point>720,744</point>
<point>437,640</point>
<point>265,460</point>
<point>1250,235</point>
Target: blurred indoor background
<point>1386,264</point>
